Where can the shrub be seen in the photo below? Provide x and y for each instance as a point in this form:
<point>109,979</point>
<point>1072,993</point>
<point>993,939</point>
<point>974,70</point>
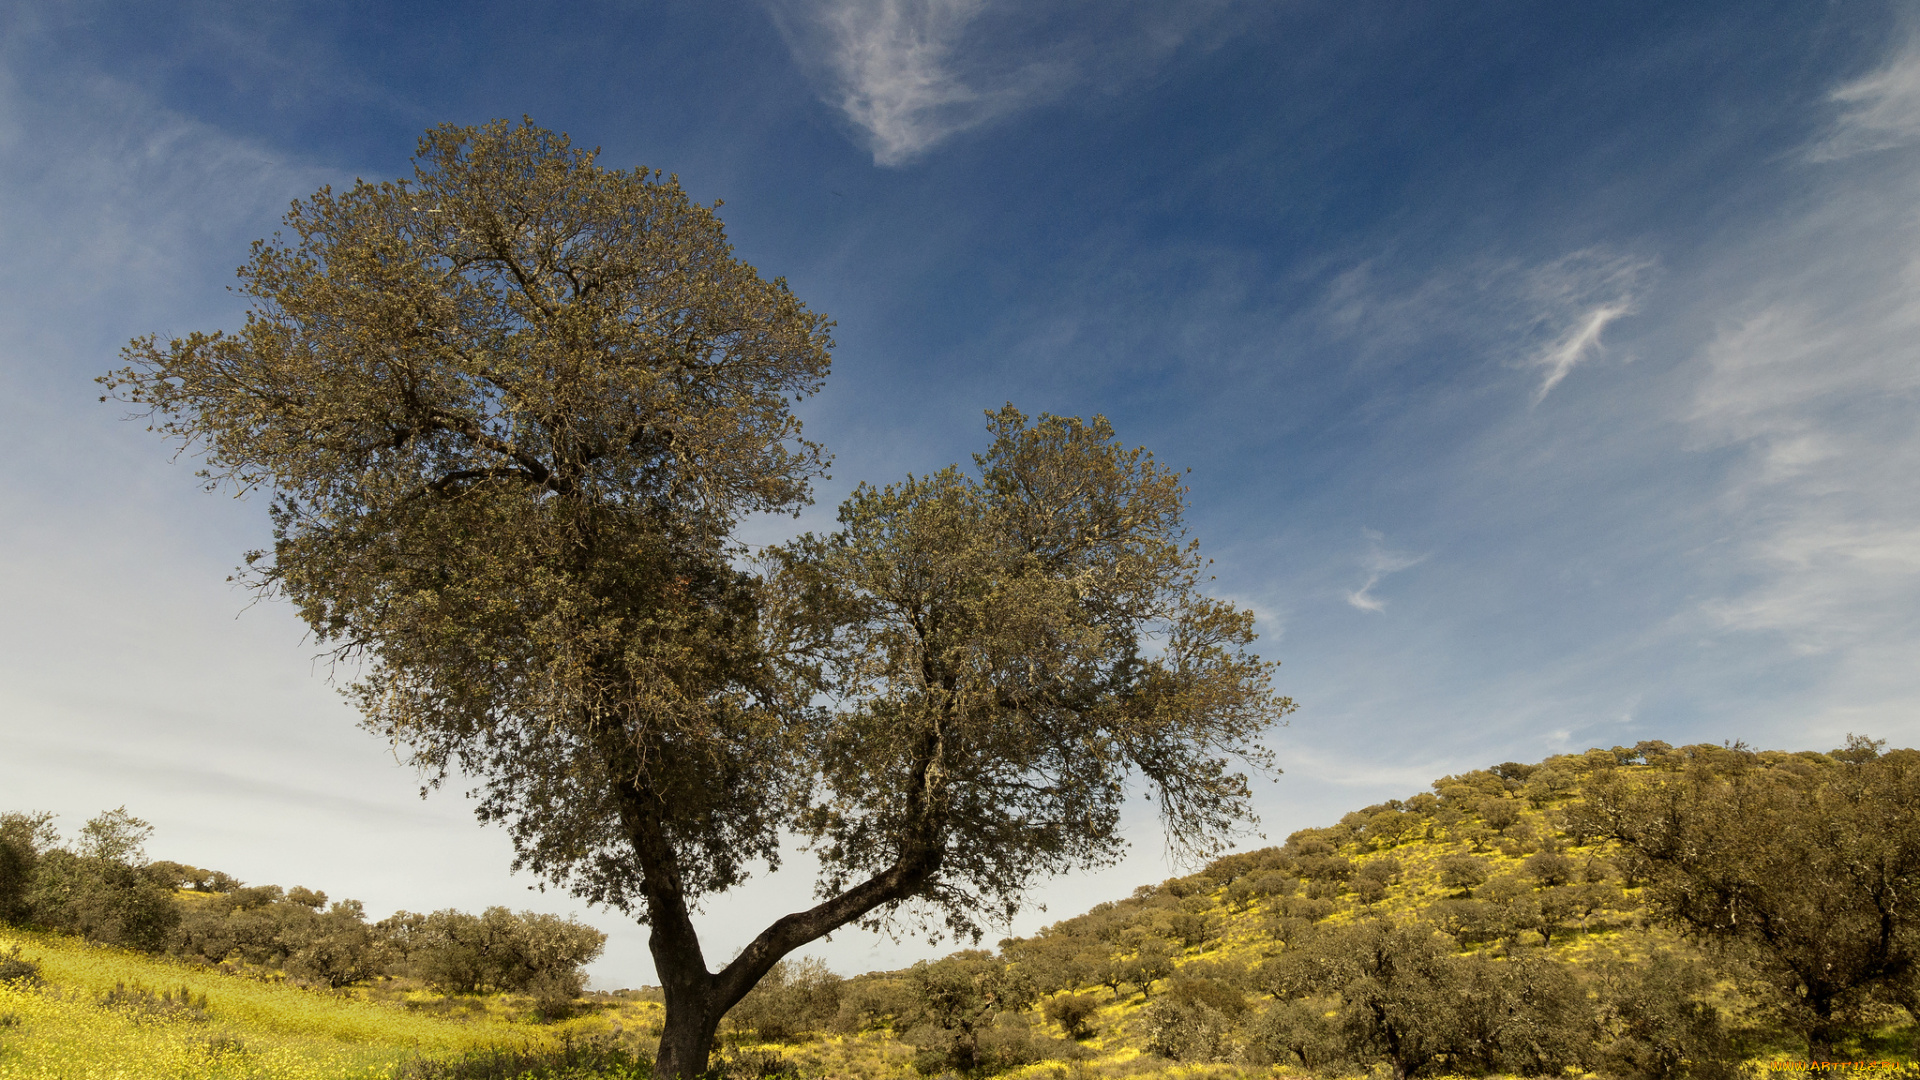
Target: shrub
<point>102,900</point>
<point>1074,1013</point>
<point>18,970</point>
<point>1187,1031</point>
<point>144,1004</point>
<point>793,999</point>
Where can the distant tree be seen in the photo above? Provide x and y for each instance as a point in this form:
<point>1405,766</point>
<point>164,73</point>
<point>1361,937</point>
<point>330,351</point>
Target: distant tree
<point>1655,1020</point>
<point>335,947</point>
<point>115,836</point>
<point>23,837</point>
<point>1806,866</point>
<point>1074,1013</point>
<point>962,999</point>
<point>1295,1031</point>
<point>1463,872</point>
<point>795,998</point>
<point>103,893</point>
<point>1404,997</point>
<point>509,413</point>
<point>494,950</point>
<point>173,875</point>
<point>1152,961</point>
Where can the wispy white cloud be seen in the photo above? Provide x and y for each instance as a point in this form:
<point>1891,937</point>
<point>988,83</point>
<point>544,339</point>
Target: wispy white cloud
<point>1549,316</point>
<point>890,64</point>
<point>1811,381</point>
<point>1378,562</point>
<point>910,74</point>
<point>1573,300</point>
<point>1580,342</point>
<point>1878,111</point>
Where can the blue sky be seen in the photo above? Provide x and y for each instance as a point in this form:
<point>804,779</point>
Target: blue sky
<point>1547,373</point>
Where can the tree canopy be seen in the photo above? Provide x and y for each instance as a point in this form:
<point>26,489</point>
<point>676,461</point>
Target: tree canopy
<point>509,412</point>
<point>1805,866</point>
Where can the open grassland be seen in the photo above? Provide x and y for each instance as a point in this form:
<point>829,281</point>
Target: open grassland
<point>107,1013</point>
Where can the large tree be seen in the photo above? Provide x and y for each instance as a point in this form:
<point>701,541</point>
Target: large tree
<point>1806,866</point>
<point>509,414</point>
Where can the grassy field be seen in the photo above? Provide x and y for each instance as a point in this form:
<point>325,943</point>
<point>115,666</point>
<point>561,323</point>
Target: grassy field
<point>108,1014</point>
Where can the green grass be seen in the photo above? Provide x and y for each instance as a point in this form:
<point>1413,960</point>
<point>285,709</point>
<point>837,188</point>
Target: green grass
<point>248,1028</point>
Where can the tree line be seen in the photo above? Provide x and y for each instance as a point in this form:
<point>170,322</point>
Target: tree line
<point>103,888</point>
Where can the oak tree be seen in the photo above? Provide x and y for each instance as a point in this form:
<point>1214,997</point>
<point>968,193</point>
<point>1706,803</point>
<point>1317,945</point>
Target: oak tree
<point>1807,866</point>
<point>509,413</point>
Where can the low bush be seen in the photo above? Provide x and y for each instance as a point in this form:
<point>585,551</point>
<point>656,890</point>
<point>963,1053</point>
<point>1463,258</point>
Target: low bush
<point>161,1006</point>
<point>18,970</point>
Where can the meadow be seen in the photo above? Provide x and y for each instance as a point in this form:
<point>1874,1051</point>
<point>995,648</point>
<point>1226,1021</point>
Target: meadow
<point>110,1014</point>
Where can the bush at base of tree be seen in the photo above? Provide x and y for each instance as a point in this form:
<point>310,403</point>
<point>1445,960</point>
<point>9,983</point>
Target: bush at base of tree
<point>796,998</point>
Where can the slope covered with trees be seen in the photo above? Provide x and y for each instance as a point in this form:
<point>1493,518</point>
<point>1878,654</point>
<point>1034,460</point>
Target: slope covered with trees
<point>1635,912</point>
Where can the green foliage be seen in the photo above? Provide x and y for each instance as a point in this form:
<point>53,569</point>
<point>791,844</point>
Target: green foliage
<point>115,836</point>
<point>22,838</point>
<point>1074,1013</point>
<point>1806,866</point>
<point>266,927</point>
<point>102,900</point>
<point>969,1017</point>
<point>496,950</point>
<point>795,998</point>
<point>1007,647</point>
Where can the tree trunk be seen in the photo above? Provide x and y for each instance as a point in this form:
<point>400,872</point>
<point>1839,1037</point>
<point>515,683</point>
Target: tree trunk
<point>686,1039</point>
<point>1820,1042</point>
<point>1823,1033</point>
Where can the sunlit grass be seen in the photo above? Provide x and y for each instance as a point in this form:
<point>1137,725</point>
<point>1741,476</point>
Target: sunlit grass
<point>250,1029</point>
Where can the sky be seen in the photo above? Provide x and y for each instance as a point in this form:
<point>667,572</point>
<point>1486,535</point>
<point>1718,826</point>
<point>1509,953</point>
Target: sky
<point>1547,373</point>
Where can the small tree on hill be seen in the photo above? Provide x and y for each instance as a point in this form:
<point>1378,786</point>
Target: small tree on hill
<point>509,413</point>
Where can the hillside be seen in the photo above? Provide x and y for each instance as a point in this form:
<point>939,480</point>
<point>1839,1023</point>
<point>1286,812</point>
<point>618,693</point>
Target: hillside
<point>1531,938</point>
<point>1483,927</point>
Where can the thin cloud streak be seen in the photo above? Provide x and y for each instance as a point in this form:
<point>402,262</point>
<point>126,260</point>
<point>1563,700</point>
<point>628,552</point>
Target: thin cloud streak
<point>1571,301</point>
<point>1379,562</point>
<point>911,74</point>
<point>1880,111</point>
<point>1581,343</point>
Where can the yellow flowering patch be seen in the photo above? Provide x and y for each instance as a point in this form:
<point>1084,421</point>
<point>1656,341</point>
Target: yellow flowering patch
<point>77,1028</point>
